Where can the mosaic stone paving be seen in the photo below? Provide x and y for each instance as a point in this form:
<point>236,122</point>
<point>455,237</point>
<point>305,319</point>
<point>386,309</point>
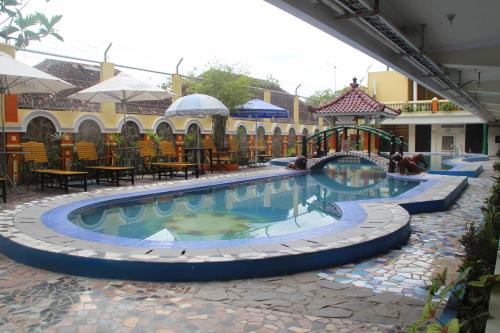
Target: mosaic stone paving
<point>433,241</point>
<point>335,300</point>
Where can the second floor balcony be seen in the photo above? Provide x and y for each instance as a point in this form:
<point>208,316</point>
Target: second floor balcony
<point>424,106</point>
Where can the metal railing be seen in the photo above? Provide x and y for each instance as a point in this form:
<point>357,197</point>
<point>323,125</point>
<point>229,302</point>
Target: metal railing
<point>421,106</point>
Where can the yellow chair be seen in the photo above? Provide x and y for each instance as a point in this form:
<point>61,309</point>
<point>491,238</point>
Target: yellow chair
<point>168,162</point>
<point>36,158</point>
<point>87,153</point>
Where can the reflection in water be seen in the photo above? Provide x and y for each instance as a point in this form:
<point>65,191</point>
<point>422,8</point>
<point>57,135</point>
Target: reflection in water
<point>260,209</point>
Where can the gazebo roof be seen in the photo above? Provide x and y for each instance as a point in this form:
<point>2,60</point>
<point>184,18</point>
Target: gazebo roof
<point>355,102</point>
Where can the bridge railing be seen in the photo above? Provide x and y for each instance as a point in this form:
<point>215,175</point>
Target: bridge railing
<point>317,144</point>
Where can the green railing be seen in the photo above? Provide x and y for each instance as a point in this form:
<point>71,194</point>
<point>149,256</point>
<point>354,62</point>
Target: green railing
<point>320,139</point>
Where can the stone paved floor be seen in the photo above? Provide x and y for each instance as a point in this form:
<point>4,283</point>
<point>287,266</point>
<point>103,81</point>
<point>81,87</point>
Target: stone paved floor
<point>382,294</point>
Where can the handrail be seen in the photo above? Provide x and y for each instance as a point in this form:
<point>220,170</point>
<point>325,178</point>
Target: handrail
<point>376,131</point>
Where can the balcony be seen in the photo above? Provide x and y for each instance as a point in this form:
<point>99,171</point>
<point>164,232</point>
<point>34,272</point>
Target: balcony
<point>424,106</point>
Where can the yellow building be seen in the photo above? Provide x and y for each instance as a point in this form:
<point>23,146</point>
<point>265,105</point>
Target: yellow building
<point>429,123</point>
<point>38,116</point>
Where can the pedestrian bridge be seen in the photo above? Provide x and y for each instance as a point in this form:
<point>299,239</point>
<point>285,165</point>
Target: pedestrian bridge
<point>354,156</point>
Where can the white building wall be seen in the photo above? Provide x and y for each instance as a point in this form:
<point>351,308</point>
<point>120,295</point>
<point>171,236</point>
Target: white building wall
<point>494,130</point>
<point>438,132</point>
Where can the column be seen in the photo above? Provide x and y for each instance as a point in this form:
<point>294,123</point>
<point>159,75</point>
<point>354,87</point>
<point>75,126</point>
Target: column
<point>108,114</point>
<point>66,151</point>
<point>269,142</point>
<point>15,161</point>
<point>267,99</point>
<point>176,86</point>
<point>296,112</point>
<point>411,138</point>
<point>485,139</point>
<point>179,147</point>
<point>284,140</point>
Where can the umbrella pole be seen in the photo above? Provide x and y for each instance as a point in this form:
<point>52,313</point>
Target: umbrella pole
<point>4,136</point>
<point>256,150</point>
<point>124,127</point>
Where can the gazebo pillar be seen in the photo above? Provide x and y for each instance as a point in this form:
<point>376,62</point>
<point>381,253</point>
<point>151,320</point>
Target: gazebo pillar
<point>369,144</point>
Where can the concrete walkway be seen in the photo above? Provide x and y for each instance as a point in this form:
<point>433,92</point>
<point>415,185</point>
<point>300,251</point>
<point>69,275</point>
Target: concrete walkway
<point>341,299</point>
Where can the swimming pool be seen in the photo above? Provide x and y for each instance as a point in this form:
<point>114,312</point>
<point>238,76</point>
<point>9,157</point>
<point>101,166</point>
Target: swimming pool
<point>259,209</point>
<point>439,162</point>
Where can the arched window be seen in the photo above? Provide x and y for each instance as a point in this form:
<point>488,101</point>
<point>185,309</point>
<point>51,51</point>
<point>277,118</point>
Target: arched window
<point>261,137</point>
<point>90,131</point>
<point>193,137</point>
<point>131,133</point>
<point>165,131</point>
<point>41,129</point>
<point>277,143</point>
<point>241,139</point>
<point>305,132</point>
<point>292,139</point>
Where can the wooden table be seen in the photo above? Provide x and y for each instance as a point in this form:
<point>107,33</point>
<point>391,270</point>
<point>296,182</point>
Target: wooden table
<point>171,166</point>
<point>63,178</point>
<point>115,172</point>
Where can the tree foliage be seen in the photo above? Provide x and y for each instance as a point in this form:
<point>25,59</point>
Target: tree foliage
<point>325,96</point>
<point>21,28</point>
<point>225,82</point>
<point>228,84</point>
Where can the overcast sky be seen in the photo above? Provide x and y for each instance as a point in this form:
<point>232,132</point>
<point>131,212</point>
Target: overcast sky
<point>249,33</point>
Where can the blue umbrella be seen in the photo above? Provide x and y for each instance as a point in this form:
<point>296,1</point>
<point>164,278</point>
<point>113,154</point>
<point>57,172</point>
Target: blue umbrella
<point>258,109</point>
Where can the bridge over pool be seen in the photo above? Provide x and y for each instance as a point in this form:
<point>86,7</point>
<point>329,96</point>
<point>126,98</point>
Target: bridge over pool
<point>330,144</point>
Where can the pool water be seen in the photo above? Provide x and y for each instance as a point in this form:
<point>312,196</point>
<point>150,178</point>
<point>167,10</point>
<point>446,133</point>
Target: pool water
<point>437,162</point>
<point>265,208</point>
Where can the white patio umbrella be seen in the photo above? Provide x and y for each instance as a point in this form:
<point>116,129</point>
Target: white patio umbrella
<point>18,78</point>
<point>122,88</point>
<point>197,106</point>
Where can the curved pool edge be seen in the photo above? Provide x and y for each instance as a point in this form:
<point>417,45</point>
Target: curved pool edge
<point>95,260</point>
<point>146,270</point>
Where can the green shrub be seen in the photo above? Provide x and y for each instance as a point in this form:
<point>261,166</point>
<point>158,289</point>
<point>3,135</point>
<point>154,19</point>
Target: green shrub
<point>290,152</point>
<point>478,264</point>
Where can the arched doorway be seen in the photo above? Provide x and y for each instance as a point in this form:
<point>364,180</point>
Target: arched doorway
<point>277,143</point>
<point>41,129</point>
<point>292,142</point>
<point>241,139</point>
<point>90,131</point>
<point>165,131</point>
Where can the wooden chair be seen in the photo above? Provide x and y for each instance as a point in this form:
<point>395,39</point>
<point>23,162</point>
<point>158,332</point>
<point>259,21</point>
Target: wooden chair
<point>242,157</point>
<point>167,151</point>
<point>147,154</point>
<point>218,158</point>
<point>86,152</point>
<point>167,162</point>
<point>36,159</point>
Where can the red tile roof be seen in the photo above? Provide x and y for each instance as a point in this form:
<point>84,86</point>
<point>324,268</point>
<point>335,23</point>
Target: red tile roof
<point>357,103</point>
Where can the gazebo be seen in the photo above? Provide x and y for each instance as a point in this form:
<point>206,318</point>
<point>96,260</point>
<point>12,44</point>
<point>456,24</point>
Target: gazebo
<point>353,106</point>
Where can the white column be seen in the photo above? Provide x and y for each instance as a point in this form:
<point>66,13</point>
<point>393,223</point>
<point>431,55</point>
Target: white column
<point>411,138</point>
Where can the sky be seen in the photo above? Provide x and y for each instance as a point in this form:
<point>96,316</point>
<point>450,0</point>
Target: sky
<point>248,34</point>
